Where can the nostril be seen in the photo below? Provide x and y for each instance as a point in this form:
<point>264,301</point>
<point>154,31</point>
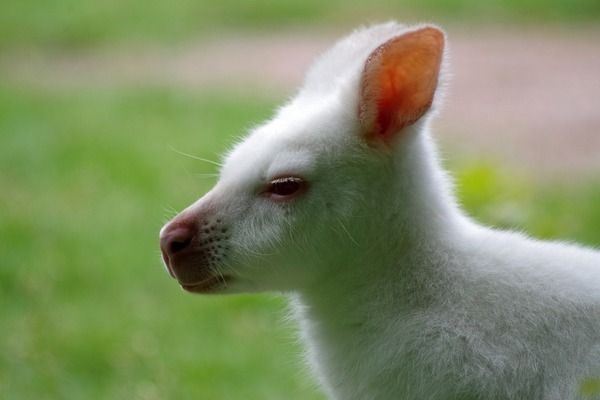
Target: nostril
<point>176,239</point>
<point>178,244</point>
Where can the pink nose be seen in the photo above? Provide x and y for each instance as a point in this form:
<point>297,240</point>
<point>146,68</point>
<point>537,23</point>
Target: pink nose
<point>176,239</point>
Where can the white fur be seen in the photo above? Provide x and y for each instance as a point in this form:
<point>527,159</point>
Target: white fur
<point>399,294</point>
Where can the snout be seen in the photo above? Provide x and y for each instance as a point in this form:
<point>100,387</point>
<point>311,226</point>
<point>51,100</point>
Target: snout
<point>176,239</point>
<point>192,250</point>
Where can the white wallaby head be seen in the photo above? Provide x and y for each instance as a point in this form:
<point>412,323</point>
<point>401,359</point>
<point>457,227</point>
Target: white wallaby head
<point>345,160</point>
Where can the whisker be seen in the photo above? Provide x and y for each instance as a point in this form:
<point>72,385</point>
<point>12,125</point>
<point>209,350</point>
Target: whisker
<point>195,157</point>
<point>218,273</point>
<point>227,266</point>
<point>347,232</point>
<point>206,176</point>
<point>170,211</point>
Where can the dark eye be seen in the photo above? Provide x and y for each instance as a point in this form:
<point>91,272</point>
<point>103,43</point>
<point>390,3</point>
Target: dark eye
<point>285,188</point>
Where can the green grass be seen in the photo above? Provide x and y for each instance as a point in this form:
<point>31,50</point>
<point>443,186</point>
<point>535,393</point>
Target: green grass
<point>73,23</point>
<point>86,308</point>
<point>87,311</point>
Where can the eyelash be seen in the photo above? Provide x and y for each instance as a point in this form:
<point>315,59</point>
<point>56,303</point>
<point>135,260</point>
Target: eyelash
<point>284,188</point>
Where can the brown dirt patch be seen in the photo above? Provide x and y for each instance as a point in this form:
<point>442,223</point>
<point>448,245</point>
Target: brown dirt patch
<point>527,98</point>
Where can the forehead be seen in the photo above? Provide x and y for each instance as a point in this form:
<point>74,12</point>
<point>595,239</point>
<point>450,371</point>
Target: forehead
<point>290,142</point>
<point>261,152</point>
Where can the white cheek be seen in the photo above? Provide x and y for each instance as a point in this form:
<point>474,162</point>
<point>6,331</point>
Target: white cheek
<point>261,229</point>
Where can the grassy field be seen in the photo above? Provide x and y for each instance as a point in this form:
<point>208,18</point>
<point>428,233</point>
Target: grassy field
<point>86,309</point>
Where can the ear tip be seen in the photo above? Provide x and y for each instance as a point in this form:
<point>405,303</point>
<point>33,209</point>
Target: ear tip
<point>430,27</point>
<point>434,33</point>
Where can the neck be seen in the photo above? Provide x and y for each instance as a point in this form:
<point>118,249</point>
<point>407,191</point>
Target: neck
<point>393,269</point>
<point>395,258</point>
<point>424,192</point>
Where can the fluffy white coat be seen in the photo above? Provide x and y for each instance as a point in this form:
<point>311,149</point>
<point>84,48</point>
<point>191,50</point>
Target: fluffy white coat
<point>398,293</point>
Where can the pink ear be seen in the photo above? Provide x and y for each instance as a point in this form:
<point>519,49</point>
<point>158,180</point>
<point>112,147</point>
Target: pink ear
<point>399,81</point>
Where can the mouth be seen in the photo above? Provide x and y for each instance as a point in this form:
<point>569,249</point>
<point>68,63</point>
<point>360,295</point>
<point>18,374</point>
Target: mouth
<point>209,285</point>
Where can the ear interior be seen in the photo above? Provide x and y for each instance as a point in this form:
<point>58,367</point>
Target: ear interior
<point>399,82</point>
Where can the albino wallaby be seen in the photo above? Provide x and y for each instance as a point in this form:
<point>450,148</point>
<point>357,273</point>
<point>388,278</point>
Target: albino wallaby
<point>340,201</point>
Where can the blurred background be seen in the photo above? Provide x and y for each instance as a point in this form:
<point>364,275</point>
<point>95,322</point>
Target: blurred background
<point>99,98</point>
